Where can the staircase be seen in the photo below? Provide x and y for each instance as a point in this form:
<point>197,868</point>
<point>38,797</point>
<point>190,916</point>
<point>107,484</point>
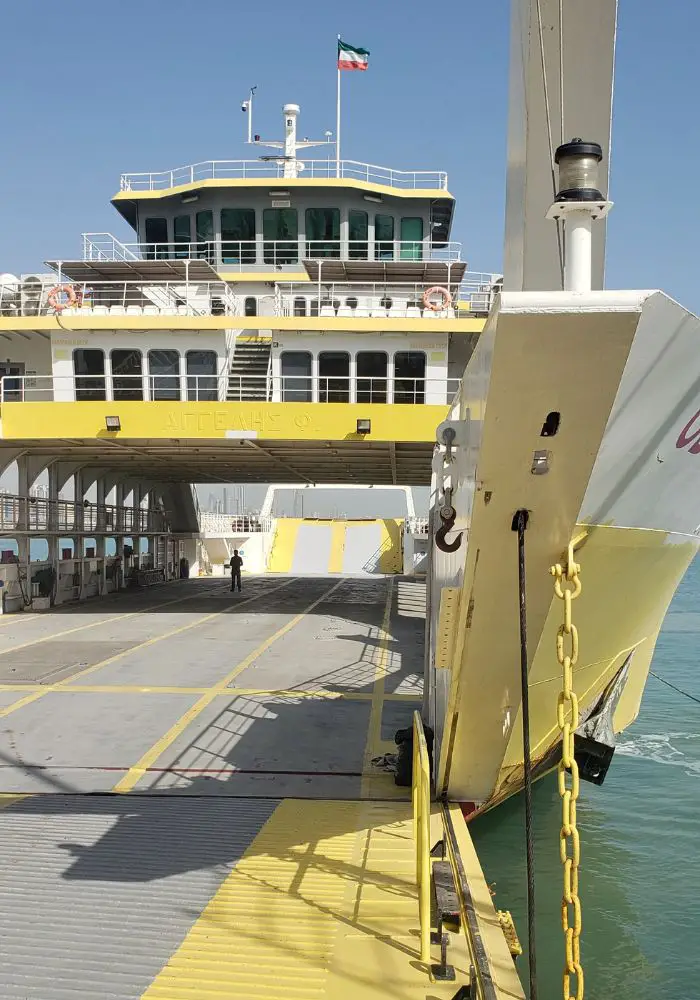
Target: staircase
<point>250,368</point>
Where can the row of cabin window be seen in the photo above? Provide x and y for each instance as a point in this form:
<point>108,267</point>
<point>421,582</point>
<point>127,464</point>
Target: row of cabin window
<point>372,382</point>
<point>238,235</point>
<point>127,374</point>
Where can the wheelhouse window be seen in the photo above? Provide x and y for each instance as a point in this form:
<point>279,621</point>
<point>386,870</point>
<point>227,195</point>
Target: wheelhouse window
<point>182,235</point>
<point>250,306</point>
<point>384,237</point>
<point>296,376</point>
<point>411,239</point>
<point>323,232</point>
<point>89,368</point>
<point>333,377</point>
<point>164,374</point>
<point>409,377</point>
<point>358,230</point>
<point>204,226</point>
<point>238,236</point>
<point>280,235</point>
<point>201,375</point>
<point>127,374</point>
<point>371,377</point>
<point>156,231</point>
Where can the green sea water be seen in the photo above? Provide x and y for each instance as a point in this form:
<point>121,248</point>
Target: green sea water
<point>640,843</point>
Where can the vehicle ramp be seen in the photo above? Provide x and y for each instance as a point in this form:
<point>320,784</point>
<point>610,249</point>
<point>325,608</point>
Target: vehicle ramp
<point>310,546</point>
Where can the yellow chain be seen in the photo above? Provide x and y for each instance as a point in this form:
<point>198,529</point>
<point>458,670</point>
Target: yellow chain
<point>567,587</point>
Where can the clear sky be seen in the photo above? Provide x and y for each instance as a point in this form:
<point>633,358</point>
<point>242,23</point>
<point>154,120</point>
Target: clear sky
<point>91,89</point>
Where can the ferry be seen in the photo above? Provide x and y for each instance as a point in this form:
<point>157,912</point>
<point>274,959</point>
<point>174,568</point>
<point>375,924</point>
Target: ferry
<point>268,794</point>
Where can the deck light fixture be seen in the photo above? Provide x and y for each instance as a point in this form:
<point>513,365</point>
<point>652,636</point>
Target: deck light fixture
<point>113,423</point>
<point>187,199</point>
<point>373,197</point>
<point>364,426</point>
<point>278,193</point>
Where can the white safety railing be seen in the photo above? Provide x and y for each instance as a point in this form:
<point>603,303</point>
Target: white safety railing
<point>379,300</point>
<point>276,253</point>
<point>478,290</point>
<point>122,298</point>
<point>209,170</point>
<point>417,525</point>
<point>177,387</point>
<point>41,514</point>
<point>233,524</point>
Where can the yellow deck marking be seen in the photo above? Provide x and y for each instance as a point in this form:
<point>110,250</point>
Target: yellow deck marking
<point>135,773</point>
<point>9,798</point>
<point>283,545</point>
<point>106,621</point>
<point>322,905</point>
<point>174,689</point>
<point>335,562</point>
<point>65,683</point>
<point>15,617</point>
<point>374,728</point>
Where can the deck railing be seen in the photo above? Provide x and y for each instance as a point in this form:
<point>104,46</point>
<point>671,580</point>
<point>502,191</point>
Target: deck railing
<point>42,514</point>
<point>179,387</point>
<point>233,524</point>
<point>209,170</point>
<point>122,298</point>
<point>378,300</point>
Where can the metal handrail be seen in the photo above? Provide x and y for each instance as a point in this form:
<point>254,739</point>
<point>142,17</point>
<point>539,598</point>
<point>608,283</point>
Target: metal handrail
<point>277,253</point>
<point>370,173</point>
<point>231,524</point>
<point>420,796</point>
<point>36,513</point>
<point>181,387</point>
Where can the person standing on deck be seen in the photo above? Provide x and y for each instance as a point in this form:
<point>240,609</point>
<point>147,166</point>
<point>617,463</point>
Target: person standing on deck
<point>235,564</point>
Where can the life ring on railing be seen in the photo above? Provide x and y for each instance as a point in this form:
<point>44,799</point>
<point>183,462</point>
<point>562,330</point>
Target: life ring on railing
<point>445,298</point>
<point>53,299</point>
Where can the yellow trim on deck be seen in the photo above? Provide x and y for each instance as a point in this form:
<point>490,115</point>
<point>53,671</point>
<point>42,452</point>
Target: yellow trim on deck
<point>268,276</point>
<point>284,545</point>
<point>198,420</point>
<point>322,904</point>
<point>136,324</point>
<point>287,182</point>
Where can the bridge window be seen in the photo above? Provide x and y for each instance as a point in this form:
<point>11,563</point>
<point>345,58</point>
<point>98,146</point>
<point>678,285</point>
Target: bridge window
<point>333,377</point>
<point>127,374</point>
<point>280,235</point>
<point>384,237</point>
<point>296,376</point>
<point>164,374</point>
<point>156,238</point>
<point>411,239</point>
<point>371,376</point>
<point>204,226</point>
<point>238,235</point>
<point>300,307</point>
<point>182,235</point>
<point>250,306</point>
<point>201,375</point>
<point>358,229</point>
<point>89,368</point>
<point>409,377</point>
<point>323,232</point>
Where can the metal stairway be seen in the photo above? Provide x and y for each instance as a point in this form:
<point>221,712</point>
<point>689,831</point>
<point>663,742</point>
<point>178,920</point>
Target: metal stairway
<point>250,370</point>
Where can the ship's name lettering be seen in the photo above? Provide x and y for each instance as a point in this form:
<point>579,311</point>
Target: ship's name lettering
<point>689,437</point>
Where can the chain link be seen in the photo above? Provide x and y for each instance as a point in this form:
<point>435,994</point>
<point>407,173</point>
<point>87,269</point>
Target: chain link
<point>567,587</point>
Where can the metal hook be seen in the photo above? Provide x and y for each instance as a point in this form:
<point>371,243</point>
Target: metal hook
<point>448,516</point>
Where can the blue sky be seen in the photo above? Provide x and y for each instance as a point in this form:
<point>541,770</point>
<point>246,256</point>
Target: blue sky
<point>91,89</point>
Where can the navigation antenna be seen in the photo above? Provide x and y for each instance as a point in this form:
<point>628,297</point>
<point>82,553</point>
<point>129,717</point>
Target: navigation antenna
<point>290,145</point>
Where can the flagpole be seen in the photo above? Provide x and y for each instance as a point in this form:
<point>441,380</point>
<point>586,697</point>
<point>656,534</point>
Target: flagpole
<point>337,122</point>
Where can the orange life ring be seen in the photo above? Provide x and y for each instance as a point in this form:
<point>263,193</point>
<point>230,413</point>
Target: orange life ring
<point>437,306</point>
<point>54,301</point>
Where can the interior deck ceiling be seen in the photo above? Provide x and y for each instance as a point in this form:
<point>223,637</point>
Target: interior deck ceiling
<point>258,461</point>
<point>431,272</point>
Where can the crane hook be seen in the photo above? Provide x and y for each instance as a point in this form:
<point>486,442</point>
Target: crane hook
<point>448,516</point>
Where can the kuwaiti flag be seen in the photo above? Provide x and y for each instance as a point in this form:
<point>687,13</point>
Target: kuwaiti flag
<point>351,57</point>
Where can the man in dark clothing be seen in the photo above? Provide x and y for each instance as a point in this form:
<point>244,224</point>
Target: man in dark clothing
<point>235,564</point>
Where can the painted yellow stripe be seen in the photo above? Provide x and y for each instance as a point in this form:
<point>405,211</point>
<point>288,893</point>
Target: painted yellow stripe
<point>322,906</point>
<point>374,728</point>
<point>15,617</point>
<point>335,562</point>
<point>253,692</point>
<point>66,682</point>
<point>136,772</point>
<point>283,545</point>
<point>9,798</point>
<point>324,184</point>
<point>390,555</point>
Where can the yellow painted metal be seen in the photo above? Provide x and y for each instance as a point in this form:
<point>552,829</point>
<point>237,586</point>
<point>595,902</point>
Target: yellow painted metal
<point>197,420</point>
<point>447,627</point>
<point>505,919</point>
<point>322,905</point>
<point>390,553</point>
<point>137,324</point>
<point>335,561</point>
<point>289,182</point>
<point>283,544</point>
<point>421,826</point>
<point>234,276</point>
<point>135,773</point>
<point>567,587</point>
